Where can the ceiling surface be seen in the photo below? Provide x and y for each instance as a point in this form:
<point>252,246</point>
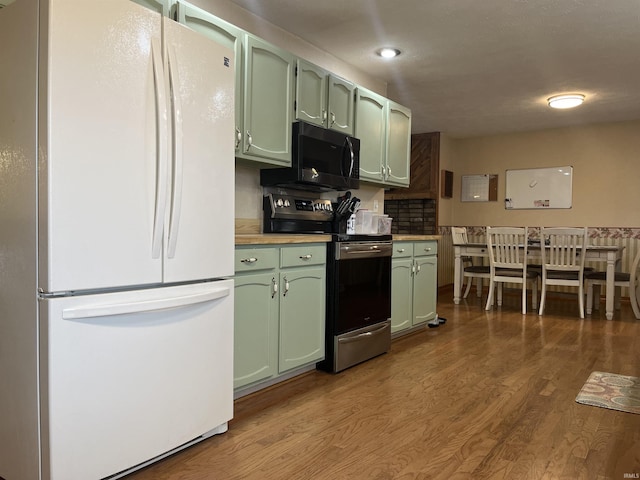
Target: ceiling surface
<point>482,67</point>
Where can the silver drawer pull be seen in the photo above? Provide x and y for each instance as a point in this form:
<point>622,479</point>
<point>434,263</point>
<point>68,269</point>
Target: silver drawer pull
<point>249,260</point>
<point>427,249</point>
<point>400,250</point>
<point>306,257</point>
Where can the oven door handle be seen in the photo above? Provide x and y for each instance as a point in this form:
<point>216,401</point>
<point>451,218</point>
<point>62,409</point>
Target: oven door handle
<point>364,334</point>
<point>368,251</point>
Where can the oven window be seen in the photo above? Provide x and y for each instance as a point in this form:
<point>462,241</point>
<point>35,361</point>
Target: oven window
<point>364,292</point>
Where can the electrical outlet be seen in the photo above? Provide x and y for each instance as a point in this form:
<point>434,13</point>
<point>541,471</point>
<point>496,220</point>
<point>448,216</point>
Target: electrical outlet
<point>375,205</point>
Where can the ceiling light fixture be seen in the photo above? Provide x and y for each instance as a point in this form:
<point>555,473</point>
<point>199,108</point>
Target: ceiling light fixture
<point>566,101</point>
<point>388,52</point>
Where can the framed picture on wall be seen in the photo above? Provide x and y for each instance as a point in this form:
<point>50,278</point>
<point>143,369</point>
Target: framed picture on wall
<point>479,188</point>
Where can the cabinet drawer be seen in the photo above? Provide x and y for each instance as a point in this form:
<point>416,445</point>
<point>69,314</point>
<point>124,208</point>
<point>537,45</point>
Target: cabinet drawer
<point>300,255</point>
<point>253,259</point>
<point>402,249</point>
<point>425,248</point>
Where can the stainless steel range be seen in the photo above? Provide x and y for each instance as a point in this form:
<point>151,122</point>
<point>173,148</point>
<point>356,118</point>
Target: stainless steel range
<point>358,307</point>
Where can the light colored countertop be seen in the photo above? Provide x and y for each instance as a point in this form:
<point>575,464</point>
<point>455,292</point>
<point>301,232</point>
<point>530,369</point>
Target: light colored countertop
<point>283,238</point>
<point>414,238</point>
<point>278,238</point>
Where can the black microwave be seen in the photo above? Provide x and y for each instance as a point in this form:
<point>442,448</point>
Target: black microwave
<point>321,160</point>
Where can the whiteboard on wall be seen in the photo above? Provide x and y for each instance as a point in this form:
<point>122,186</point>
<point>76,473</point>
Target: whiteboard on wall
<point>539,188</point>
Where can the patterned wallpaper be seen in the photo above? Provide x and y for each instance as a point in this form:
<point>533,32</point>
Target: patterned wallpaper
<point>534,232</point>
<point>626,237</point>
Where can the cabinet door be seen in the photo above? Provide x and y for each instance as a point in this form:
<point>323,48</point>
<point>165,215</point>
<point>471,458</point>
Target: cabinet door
<point>425,281</point>
<point>398,145</point>
<point>341,103</point>
<point>160,6</point>
<point>302,317</point>
<point>256,328</point>
<point>370,129</point>
<point>268,103</point>
<point>311,93</point>
<point>225,34</point>
<point>401,294</point>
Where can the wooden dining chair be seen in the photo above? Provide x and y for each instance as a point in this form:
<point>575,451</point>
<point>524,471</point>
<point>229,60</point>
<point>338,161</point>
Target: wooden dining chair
<point>469,270</point>
<point>563,256</point>
<point>630,280</point>
<point>508,263</point>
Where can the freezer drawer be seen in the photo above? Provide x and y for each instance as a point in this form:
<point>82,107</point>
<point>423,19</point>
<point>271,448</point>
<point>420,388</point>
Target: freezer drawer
<point>129,376</point>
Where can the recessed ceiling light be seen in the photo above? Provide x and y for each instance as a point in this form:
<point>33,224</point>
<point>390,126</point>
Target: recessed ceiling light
<point>566,101</point>
<point>388,52</point>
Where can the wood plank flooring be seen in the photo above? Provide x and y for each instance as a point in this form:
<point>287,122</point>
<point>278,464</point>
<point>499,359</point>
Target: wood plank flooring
<point>488,395</point>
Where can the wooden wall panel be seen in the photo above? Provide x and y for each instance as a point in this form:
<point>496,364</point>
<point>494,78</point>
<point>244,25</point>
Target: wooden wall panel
<point>425,166</point>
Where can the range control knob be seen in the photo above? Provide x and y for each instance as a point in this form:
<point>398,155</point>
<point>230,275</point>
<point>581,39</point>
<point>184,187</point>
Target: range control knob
<point>279,202</point>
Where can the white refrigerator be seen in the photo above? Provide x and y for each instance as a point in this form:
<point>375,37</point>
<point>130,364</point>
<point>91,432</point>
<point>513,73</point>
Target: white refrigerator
<point>116,238</point>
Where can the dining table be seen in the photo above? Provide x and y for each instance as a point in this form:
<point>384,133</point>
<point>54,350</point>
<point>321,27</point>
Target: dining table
<point>611,254</point>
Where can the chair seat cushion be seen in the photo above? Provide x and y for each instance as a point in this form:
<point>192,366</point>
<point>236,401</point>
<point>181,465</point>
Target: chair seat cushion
<point>619,277</point>
<point>477,269</point>
<point>507,272</point>
<point>562,275</point>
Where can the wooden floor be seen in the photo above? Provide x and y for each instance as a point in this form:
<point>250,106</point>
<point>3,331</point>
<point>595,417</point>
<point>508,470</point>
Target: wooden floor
<point>488,395</point>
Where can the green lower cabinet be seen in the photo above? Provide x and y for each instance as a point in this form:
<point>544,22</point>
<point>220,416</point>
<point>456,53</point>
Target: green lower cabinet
<point>414,282</point>
<point>401,294</point>
<point>425,284</point>
<point>302,319</point>
<point>255,329</point>
<point>279,310</point>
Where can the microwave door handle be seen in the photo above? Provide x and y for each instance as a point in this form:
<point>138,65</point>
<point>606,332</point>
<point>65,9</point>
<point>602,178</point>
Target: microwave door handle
<point>350,145</point>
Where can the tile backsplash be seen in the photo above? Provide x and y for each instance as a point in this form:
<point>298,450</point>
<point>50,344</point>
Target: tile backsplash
<point>413,217</point>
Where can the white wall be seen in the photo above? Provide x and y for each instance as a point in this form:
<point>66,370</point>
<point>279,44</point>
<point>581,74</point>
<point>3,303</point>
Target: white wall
<point>606,168</point>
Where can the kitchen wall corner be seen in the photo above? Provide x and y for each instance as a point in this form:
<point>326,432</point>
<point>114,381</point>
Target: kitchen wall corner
<point>248,192</point>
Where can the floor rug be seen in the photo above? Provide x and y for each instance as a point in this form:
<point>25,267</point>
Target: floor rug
<point>609,390</point>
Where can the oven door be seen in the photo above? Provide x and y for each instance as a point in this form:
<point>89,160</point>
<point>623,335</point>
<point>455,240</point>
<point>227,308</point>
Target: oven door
<point>362,283</point>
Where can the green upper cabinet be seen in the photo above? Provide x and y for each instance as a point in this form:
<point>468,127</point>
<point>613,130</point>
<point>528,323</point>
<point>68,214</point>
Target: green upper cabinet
<point>384,130</point>
<point>311,93</point>
<point>225,34</point>
<point>398,155</point>
<point>324,99</point>
<point>341,104</point>
<point>371,119</point>
<point>268,103</point>
<point>160,6</point>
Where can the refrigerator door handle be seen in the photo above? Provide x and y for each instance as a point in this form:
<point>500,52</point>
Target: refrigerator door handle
<point>161,148</point>
<point>176,196</point>
<point>123,308</point>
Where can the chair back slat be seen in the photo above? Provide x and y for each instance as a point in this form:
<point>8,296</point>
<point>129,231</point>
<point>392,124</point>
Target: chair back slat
<point>507,246</point>
<point>562,248</point>
<point>459,235</point>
